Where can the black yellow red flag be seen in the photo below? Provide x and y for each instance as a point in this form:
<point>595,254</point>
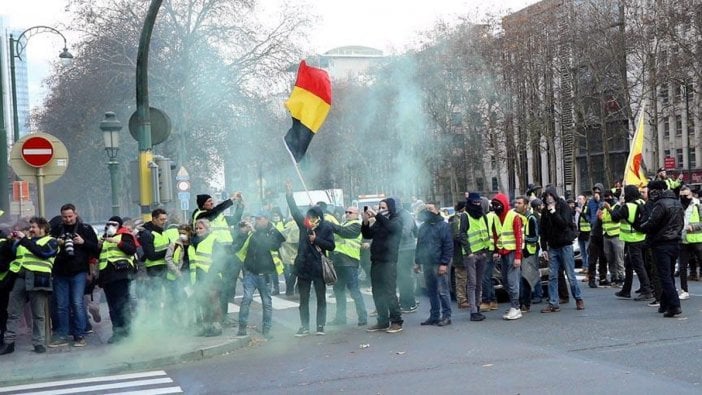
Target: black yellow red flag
<point>309,105</point>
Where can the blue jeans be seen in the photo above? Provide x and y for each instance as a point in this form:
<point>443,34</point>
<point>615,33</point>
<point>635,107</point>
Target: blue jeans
<point>68,291</point>
<point>438,291</point>
<point>348,278</point>
<point>511,278</point>
<point>488,287</point>
<point>584,244</point>
<point>251,283</point>
<point>561,257</point>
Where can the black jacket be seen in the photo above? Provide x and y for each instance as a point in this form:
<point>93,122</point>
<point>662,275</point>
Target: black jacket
<point>68,265</point>
<point>386,234</point>
<point>434,242</point>
<point>308,263</point>
<point>556,229</point>
<point>258,255</point>
<point>665,221</point>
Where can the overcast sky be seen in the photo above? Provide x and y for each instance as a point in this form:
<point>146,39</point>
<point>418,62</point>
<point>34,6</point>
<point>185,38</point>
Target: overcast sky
<point>389,25</point>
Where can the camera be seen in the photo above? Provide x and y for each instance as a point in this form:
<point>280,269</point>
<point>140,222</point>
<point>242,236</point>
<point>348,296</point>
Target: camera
<point>68,244</point>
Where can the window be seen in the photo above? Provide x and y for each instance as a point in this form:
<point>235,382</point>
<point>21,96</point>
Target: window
<point>663,93</point>
<point>494,184</point>
<point>666,153</point>
<point>679,157</point>
<point>666,127</point>
<point>692,159</point>
<point>678,125</point>
<point>691,126</point>
<point>480,184</point>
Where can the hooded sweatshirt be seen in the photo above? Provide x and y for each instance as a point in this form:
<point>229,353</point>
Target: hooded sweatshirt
<point>556,228</point>
<point>385,233</point>
<point>308,262</point>
<point>516,226</point>
<point>631,195</point>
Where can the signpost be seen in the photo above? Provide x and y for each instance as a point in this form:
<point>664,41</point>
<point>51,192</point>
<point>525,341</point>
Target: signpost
<point>183,185</point>
<point>669,163</point>
<point>39,158</point>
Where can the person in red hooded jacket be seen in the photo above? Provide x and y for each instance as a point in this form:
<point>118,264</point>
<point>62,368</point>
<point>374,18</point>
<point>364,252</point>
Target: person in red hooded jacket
<point>508,236</point>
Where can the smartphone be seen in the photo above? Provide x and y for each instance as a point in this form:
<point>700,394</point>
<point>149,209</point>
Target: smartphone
<point>365,208</point>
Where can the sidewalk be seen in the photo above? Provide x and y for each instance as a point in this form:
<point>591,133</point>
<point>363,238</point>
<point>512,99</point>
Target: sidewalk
<point>144,349</point>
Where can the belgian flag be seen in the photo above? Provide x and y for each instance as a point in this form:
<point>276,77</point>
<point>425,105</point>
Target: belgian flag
<point>309,104</point>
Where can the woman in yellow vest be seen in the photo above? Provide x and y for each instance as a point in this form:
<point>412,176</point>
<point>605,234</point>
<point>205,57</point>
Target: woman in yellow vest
<point>116,264</point>
<point>208,280</point>
<point>34,259</point>
<point>181,277</point>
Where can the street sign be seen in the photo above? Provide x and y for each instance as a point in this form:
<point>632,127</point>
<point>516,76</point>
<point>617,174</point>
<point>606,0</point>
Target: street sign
<point>185,205</point>
<point>669,163</point>
<point>37,151</point>
<point>52,170</point>
<point>183,186</point>
<point>183,195</point>
<point>182,174</point>
<point>160,125</point>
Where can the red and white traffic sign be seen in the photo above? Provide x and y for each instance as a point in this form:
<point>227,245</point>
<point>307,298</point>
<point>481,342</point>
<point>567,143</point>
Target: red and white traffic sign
<point>37,151</point>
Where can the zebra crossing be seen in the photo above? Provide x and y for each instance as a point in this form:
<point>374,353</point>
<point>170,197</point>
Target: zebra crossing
<point>282,303</point>
<point>143,383</point>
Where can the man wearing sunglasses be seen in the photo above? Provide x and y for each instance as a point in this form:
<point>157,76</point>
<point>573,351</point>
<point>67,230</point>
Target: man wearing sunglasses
<point>347,257</point>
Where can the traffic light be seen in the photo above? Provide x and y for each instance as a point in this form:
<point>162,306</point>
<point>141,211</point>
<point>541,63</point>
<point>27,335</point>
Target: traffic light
<point>164,169</point>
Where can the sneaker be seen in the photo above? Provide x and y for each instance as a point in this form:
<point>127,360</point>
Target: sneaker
<point>477,317</point>
<point>550,309</point>
<point>672,312</point>
<point>537,301</point>
<point>485,306</point>
<point>493,305</point>
<point>58,342</point>
<point>524,308</point>
<point>362,323</point>
<point>655,303</point>
<point>409,310</point>
<point>373,313</point>
<point>513,314</point>
<point>39,349</point>
<point>605,283</point>
<point>464,305</point>
<point>80,342</point>
<point>377,327</point>
<point>592,284</point>
<point>644,297</point>
<point>241,334</point>
<point>394,328</point>
<point>302,332</point>
<point>622,295</point>
<point>320,331</point>
<point>683,295</point>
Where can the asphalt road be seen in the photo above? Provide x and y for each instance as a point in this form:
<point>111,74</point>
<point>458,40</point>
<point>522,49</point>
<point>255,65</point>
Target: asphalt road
<point>613,346</point>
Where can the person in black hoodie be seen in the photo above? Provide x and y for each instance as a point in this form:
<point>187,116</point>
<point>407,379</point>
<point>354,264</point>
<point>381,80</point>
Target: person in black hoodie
<point>308,263</point>
<point>258,266</point>
<point>77,245</point>
<point>557,231</point>
<point>663,228</point>
<point>386,233</point>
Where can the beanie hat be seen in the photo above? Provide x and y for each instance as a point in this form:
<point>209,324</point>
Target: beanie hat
<point>473,197</point>
<point>658,185</point>
<point>201,199</point>
<point>535,203</point>
<point>116,219</point>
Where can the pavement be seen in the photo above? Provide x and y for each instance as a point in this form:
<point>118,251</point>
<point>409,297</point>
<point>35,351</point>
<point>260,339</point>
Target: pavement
<point>149,347</point>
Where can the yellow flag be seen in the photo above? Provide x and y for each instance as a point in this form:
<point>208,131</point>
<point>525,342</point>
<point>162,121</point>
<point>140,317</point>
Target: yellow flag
<point>634,173</point>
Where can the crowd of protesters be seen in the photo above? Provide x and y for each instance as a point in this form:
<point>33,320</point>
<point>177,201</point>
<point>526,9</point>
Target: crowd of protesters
<point>185,275</point>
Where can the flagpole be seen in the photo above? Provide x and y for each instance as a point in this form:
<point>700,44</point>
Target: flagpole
<point>299,173</point>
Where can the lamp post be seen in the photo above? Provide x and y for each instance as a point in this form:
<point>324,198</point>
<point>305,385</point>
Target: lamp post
<point>110,127</point>
<point>17,47</point>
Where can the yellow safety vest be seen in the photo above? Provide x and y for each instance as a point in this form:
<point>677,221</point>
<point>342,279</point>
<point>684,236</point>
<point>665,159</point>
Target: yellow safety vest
<point>506,239</point>
<point>583,223</point>
<point>172,234</point>
<point>201,256</point>
<point>110,253</point>
<point>694,237</point>
<point>3,274</point>
<point>25,259</point>
<point>349,247</point>
<point>218,226</point>
<point>627,232</point>
<point>478,235</point>
<point>161,242</point>
<point>492,220</point>
<point>610,228</point>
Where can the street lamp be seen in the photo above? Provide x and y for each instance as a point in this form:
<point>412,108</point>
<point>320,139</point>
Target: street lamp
<point>16,49</point>
<point>110,127</point>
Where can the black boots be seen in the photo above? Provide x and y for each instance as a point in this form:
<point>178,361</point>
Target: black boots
<point>7,348</point>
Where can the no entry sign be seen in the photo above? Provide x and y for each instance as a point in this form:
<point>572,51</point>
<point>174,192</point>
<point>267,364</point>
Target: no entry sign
<point>37,151</point>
